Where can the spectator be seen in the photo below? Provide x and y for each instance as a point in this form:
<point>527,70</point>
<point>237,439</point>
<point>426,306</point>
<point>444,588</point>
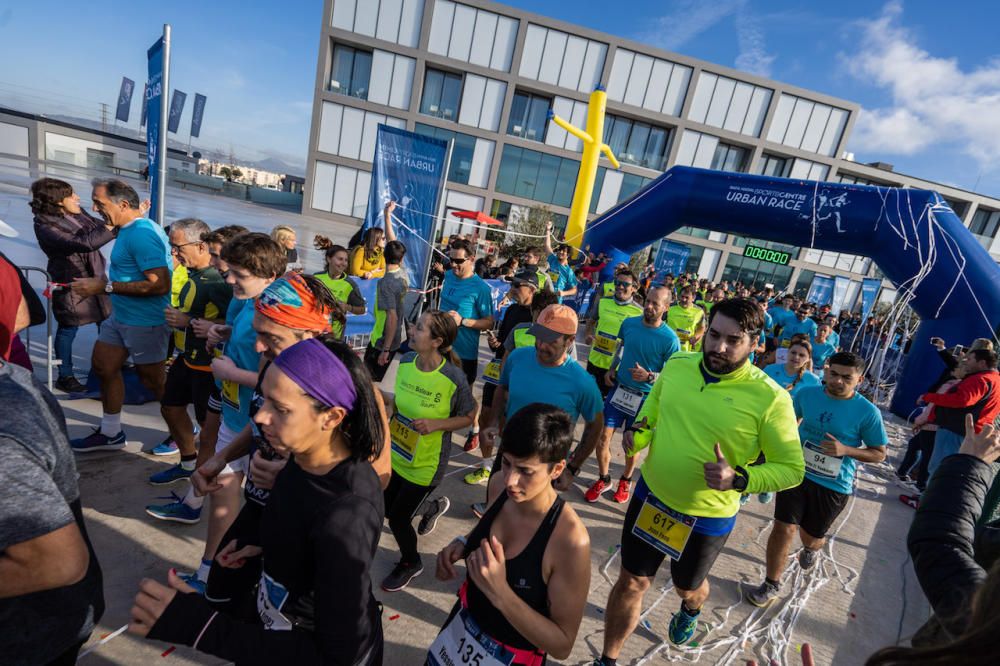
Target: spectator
<point>71,239</point>
<point>51,593</point>
<point>15,290</point>
<point>367,260</point>
<point>484,266</point>
<point>285,237</point>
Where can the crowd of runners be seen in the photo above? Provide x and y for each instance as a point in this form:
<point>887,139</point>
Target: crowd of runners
<point>299,449</point>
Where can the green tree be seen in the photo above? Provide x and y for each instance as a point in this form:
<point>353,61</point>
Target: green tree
<point>533,223</point>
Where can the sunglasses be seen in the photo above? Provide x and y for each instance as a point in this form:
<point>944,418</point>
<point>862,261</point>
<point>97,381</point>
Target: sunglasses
<point>624,284</point>
<point>177,248</point>
<point>458,262</point>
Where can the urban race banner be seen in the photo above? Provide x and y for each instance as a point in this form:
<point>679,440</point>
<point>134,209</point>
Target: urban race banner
<point>821,290</point>
<point>176,109</point>
<point>671,258</point>
<point>125,99</point>
<point>154,98</point>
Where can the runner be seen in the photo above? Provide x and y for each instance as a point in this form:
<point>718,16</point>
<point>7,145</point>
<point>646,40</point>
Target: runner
<point>467,298</point>
<point>836,421</point>
<point>794,374</point>
<point>528,558</point>
<point>139,285</point>
<point>432,400</point>
<point>705,411</point>
<point>823,347</point>
<point>317,537</point>
<point>387,335</point>
<point>344,289</point>
<point>798,325</point>
<point>783,312</point>
<point>602,331</point>
<point>644,345</point>
<point>563,277</point>
<point>524,287</point>
<point>687,320</point>
<point>532,257</point>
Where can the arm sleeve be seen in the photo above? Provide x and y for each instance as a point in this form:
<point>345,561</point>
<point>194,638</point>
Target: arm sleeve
<point>484,303</point>
<point>33,505</point>
<point>386,299</point>
<point>87,239</point>
<point>462,401</point>
<point>797,404</point>
<point>149,250</point>
<point>357,266</point>
<point>949,361</point>
<point>779,440</point>
<point>873,430</point>
<point>940,540</point>
<point>591,403</point>
<point>506,370</point>
<point>355,298</point>
<point>222,296</point>
<point>965,394</point>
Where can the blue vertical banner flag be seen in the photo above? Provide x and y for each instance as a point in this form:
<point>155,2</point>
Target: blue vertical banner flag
<point>154,98</point>
<point>671,258</point>
<point>176,109</point>
<point>125,99</point>
<point>409,169</point>
<point>821,290</point>
<point>840,285</point>
<point>145,104</point>
<point>869,293</point>
<point>197,113</point>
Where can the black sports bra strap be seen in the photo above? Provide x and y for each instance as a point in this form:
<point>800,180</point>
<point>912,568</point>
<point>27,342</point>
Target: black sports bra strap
<point>482,529</point>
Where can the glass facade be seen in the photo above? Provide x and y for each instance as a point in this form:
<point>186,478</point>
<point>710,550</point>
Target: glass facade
<point>984,226</point>
<point>462,151</point>
<point>730,158</point>
<point>773,165</point>
<point>351,71</point>
<point>755,272</point>
<point>442,94</point>
<point>529,116</point>
<point>534,175</point>
<point>638,143</point>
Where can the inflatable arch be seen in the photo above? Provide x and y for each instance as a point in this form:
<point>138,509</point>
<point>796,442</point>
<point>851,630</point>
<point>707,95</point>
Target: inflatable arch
<point>913,236</point>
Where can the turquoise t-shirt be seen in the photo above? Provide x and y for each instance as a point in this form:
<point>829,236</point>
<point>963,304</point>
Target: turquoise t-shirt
<point>649,347</point>
<point>776,371</point>
<point>768,324</point>
<point>240,348</point>
<point>471,298</point>
<point>141,246</point>
<point>563,277</point>
<point>780,316</point>
<point>567,386</point>
<point>852,421</point>
<point>821,352</point>
<point>834,339</point>
<point>794,327</point>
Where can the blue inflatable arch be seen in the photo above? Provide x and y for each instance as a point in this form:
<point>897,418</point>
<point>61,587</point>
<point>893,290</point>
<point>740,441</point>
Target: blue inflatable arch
<point>913,236</point>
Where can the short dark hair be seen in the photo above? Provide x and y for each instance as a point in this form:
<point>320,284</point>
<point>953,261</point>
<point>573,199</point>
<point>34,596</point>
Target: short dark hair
<point>47,194</point>
<point>687,290</point>
<point>988,355</point>
<point>118,191</point>
<point>539,429</point>
<point>463,244</point>
<point>542,299</point>
<point>256,252</point>
<point>848,360</point>
<point>745,312</point>
<point>223,235</point>
<point>626,273</point>
<point>394,252</point>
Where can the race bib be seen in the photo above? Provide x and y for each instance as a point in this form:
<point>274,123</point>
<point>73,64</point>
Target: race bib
<point>463,642</point>
<point>626,400</point>
<point>781,355</point>
<point>231,394</point>
<point>492,373</point>
<point>404,437</point>
<point>785,344</point>
<point>820,463</point>
<point>683,335</point>
<point>663,528</point>
<point>605,344</point>
<point>271,596</point>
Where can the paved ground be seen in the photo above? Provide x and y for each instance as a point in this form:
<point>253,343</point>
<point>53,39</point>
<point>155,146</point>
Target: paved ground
<point>862,596</point>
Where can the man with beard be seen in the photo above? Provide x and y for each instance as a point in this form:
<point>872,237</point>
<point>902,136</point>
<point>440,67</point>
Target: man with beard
<point>708,416</point>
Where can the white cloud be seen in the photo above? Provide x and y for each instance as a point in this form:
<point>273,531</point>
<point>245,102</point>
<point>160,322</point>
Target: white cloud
<point>753,56</point>
<point>934,101</point>
<point>686,20</point>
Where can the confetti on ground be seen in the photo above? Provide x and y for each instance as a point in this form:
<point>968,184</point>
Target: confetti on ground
<point>394,617</point>
<point>646,624</point>
<point>694,643</point>
<point>798,648</point>
<point>166,653</point>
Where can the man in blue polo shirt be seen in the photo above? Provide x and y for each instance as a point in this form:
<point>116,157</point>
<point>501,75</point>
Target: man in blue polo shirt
<point>644,345</point>
<point>839,428</point>
<point>139,286</point>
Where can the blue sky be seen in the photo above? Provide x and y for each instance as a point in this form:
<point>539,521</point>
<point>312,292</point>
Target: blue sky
<point>928,80</point>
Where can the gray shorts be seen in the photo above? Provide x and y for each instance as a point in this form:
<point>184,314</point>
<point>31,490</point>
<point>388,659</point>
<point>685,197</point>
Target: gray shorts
<point>146,344</point>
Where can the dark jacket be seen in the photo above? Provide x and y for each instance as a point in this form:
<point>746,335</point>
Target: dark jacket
<point>978,394</point>
<point>941,539</point>
<point>72,243</point>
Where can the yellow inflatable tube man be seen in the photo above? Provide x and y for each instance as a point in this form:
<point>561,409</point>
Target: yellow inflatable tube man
<point>593,146</point>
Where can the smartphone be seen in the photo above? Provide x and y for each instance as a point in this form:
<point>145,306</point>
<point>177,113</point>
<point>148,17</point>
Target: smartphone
<point>936,340</point>
<point>959,350</point>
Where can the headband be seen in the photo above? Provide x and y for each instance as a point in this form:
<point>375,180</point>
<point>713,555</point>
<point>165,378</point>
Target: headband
<point>288,301</point>
<point>318,372</point>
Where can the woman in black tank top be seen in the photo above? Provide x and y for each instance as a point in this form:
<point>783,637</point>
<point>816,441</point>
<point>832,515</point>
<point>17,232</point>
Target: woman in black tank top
<point>516,610</point>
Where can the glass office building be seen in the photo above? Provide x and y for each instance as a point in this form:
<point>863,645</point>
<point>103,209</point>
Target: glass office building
<point>486,75</point>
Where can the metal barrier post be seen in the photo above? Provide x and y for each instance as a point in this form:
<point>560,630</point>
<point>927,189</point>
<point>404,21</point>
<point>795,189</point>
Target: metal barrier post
<point>50,361</point>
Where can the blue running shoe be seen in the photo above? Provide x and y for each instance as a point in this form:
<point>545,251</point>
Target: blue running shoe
<point>765,498</point>
<point>170,475</point>
<point>95,441</point>
<point>195,582</point>
<point>682,626</point>
<point>165,448</point>
<point>176,511</point>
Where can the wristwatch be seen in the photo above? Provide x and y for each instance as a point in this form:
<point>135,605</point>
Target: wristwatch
<point>109,287</point>
<point>741,479</point>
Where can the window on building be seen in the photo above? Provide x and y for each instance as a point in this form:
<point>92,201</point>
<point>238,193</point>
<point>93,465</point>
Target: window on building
<point>529,116</point>
<point>638,143</point>
<point>442,94</point>
<point>631,184</point>
<point>730,158</point>
<point>960,208</point>
<point>100,160</point>
<point>984,226</point>
<point>773,165</point>
<point>462,152</point>
<point>534,175</point>
<point>351,71</point>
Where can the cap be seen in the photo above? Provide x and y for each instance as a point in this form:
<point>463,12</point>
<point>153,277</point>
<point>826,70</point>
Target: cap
<point>555,320</point>
<point>526,276</point>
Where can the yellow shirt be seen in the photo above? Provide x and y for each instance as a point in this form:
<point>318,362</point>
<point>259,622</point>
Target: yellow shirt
<point>361,265</point>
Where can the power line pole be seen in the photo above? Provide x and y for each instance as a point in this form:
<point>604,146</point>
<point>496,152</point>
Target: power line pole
<point>104,117</point>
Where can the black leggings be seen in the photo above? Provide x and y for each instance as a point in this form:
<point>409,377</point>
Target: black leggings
<point>922,443</point>
<point>402,500</point>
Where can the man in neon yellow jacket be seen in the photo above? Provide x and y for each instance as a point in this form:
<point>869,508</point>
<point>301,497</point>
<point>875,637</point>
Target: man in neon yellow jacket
<point>718,414</point>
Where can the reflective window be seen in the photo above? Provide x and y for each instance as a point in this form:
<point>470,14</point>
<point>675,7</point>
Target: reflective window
<point>560,59</point>
<point>984,226</point>
<point>637,143</point>
<point>773,165</point>
<point>534,175</point>
<point>730,158</point>
<point>529,116</point>
<point>442,94</point>
<point>462,151</point>
<point>351,71</point>
<point>811,126</point>
<point>651,83</point>
<point>729,104</point>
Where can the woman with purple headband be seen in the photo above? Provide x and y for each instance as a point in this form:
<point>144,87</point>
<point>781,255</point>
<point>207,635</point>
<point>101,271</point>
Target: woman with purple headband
<point>313,602</point>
